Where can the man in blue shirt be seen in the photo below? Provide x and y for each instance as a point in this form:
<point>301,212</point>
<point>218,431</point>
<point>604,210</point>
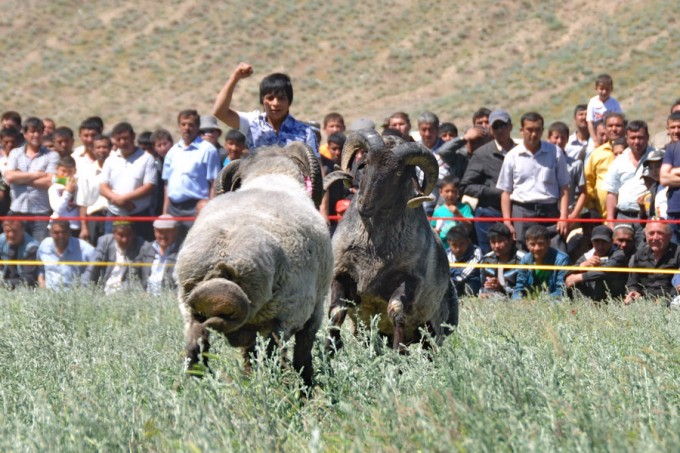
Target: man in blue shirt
<point>61,248</point>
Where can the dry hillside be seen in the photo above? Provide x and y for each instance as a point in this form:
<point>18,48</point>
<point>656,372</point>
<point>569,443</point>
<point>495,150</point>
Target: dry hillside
<point>143,61</point>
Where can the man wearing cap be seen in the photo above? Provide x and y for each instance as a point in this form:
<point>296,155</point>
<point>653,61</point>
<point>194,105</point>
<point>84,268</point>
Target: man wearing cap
<point>534,181</point>
<point>597,164</point>
<point>598,285</point>
<point>120,247</point>
<point>481,175</point>
<point>161,254</point>
<point>189,169</point>
<point>210,132</point>
<point>657,253</point>
<point>623,181</point>
<point>653,202</point>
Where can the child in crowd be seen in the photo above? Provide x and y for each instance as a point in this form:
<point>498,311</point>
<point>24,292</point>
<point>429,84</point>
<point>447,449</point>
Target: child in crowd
<point>48,141</point>
<point>144,142</point>
<point>62,193</point>
<point>90,202</point>
<point>467,280</point>
<point>452,207</point>
<point>535,281</point>
<point>10,138</point>
<point>558,135</point>
<point>63,141</point>
<point>162,142</point>
<point>332,123</point>
<point>448,131</point>
<point>619,145</point>
<point>497,280</point>
<point>601,104</point>
<point>235,144</point>
<point>336,192</point>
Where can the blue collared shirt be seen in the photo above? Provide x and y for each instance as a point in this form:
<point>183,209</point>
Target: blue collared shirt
<point>259,132</point>
<point>59,276</point>
<point>189,170</point>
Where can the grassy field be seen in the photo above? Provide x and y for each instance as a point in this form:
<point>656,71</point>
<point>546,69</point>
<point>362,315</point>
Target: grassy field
<point>83,372</point>
<point>144,61</point>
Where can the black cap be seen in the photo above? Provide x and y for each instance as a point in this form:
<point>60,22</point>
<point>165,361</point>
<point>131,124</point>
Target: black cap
<point>602,232</point>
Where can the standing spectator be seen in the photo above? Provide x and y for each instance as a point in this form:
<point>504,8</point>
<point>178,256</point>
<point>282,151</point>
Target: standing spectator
<point>670,177</point>
<point>598,163</point>
<point>88,197</point>
<point>448,131</point>
<point>50,127</point>
<point>11,138</point>
<point>335,192</point>
<point>161,254</point>
<point>10,118</point>
<point>63,141</point>
<point>598,285</point>
<point>533,281</point>
<point>189,170</point>
<point>162,142</point>
<point>601,104</point>
<point>503,251</point>
<point>428,127</point>
<point>332,124</point>
<point>122,248</point>
<point>623,181</point>
<point>16,245</point>
<point>84,154</point>
<point>481,118</point>
<point>578,141</point>
<point>672,132</point>
<point>276,126</point>
<point>657,253</point>
<point>535,181</point>
<point>57,250</point>
<point>235,144</point>
<point>401,122</point>
<point>558,135</point>
<point>211,133</point>
<point>30,169</point>
<point>128,179</point>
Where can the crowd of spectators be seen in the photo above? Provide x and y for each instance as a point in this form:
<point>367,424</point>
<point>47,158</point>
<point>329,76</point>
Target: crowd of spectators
<point>591,186</point>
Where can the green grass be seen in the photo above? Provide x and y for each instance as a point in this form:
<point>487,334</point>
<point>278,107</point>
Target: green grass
<point>83,372</point>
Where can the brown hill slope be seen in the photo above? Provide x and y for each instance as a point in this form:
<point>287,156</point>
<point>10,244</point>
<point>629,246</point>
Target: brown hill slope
<point>144,61</point>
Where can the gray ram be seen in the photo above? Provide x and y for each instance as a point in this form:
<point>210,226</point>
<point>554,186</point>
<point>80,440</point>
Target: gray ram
<point>258,260</point>
<point>388,261</point>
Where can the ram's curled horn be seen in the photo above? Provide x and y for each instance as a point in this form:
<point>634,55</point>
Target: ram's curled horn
<point>229,178</point>
<point>416,155</point>
<point>309,165</point>
<point>366,140</point>
<point>338,175</point>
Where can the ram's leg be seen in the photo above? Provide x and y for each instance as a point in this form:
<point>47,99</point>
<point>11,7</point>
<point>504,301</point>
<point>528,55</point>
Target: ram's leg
<point>399,305</point>
<point>304,341</point>
<point>197,343</point>
<point>343,288</point>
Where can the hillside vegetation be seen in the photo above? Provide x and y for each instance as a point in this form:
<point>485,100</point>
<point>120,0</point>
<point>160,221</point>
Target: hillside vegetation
<point>144,61</point>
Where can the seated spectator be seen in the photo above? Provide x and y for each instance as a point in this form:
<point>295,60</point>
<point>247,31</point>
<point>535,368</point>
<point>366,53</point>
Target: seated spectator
<point>461,250</point>
<point>657,253</point>
<point>15,244</point>
<point>500,281</point>
<point>624,238</point>
<point>597,285</point>
<point>62,193</point>
<point>121,247</point>
<point>59,248</point>
<point>535,281</point>
<point>235,144</point>
<point>452,207</point>
<point>162,254</point>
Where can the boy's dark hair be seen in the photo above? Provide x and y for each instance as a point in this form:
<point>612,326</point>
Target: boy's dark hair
<point>533,117</point>
<point>161,134</point>
<point>144,139</point>
<point>674,116</point>
<point>450,180</point>
<point>33,122</point>
<point>10,132</point>
<point>559,127</point>
<point>448,127</point>
<point>235,135</point>
<point>121,128</point>
<point>636,126</point>
<point>480,113</point>
<point>621,141</point>
<point>604,79</point>
<point>93,123</point>
<point>13,116</point>
<point>100,137</point>
<point>338,138</point>
<point>498,230</point>
<point>66,162</point>
<point>537,232</point>
<point>580,108</point>
<point>276,83</point>
<point>63,131</point>
<point>189,113</point>
<point>458,232</point>
<point>333,116</point>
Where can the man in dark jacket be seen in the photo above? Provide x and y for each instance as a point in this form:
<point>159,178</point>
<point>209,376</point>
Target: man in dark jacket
<point>120,247</point>
<point>161,255</point>
<point>16,244</point>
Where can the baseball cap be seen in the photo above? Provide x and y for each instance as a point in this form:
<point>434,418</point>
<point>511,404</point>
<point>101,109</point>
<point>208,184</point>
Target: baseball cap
<point>499,115</point>
<point>602,232</point>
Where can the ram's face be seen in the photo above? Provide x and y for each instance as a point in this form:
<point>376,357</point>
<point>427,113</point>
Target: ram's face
<point>383,180</point>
